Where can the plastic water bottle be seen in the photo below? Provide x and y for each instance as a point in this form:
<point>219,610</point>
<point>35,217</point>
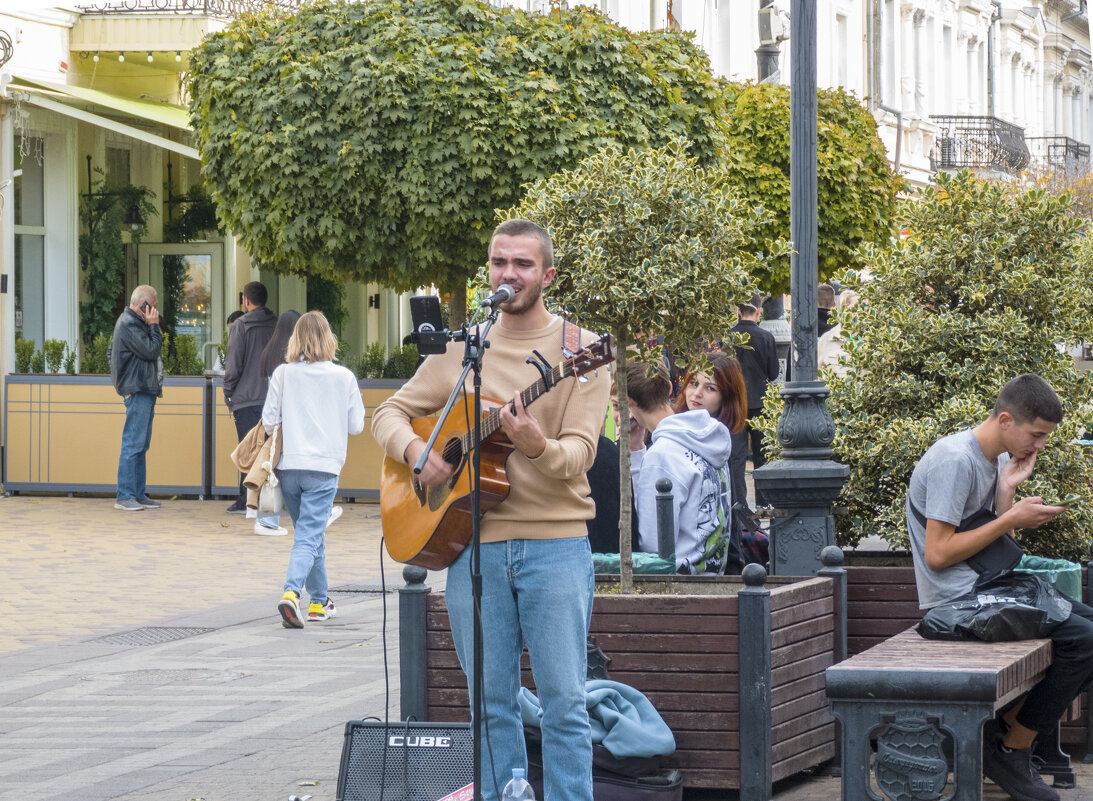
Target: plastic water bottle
<point>518,788</point>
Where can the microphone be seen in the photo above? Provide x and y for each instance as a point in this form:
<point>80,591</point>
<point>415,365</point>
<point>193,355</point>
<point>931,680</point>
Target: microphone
<point>503,294</point>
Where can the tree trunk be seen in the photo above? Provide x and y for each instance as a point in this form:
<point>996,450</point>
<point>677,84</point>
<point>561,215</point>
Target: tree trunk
<point>458,311</point>
<point>626,558</point>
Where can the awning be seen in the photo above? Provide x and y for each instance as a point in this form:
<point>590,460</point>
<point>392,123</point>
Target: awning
<point>82,104</point>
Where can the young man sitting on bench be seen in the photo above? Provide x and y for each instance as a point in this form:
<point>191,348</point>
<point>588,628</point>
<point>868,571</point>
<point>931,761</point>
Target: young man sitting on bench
<point>976,471</point>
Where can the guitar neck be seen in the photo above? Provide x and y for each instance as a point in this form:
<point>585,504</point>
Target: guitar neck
<point>492,421</point>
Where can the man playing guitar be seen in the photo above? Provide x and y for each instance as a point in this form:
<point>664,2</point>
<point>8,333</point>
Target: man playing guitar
<point>536,566</point>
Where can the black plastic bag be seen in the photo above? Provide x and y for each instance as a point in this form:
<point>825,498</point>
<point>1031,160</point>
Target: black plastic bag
<point>1013,606</point>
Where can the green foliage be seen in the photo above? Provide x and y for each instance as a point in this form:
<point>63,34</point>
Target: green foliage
<point>985,287</point>
<point>103,253</point>
<point>54,350</point>
<point>856,188</point>
<point>70,360</point>
<point>372,362</point>
<point>648,242</point>
<point>328,297</point>
<point>374,141</point>
<point>174,283</point>
<point>24,353</point>
<point>196,214</point>
<point>37,362</point>
<point>184,360</point>
<point>96,355</point>
<point>222,348</point>
<point>403,362</point>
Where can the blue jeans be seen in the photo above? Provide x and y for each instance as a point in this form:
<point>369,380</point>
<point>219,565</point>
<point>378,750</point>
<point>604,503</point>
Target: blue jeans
<point>308,495</point>
<point>136,436</point>
<point>537,592</point>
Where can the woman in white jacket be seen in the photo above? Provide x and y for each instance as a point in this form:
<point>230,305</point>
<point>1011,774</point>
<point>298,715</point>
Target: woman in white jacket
<point>317,404</point>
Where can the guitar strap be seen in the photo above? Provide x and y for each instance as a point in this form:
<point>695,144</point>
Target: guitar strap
<point>571,339</point>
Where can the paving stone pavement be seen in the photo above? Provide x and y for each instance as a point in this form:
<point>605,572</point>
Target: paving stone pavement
<point>223,704</point>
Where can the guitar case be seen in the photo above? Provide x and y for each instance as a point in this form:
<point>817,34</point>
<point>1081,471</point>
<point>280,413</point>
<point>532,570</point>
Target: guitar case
<point>613,779</point>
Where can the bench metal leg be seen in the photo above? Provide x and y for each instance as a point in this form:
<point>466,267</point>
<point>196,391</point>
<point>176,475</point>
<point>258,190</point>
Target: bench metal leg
<point>1052,760</point>
<point>909,760</point>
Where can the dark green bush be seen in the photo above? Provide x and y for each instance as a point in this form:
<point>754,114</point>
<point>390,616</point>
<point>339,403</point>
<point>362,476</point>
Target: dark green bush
<point>402,364</point>
<point>24,354</point>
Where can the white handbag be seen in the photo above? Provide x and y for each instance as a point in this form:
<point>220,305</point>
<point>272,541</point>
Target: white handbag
<point>270,499</point>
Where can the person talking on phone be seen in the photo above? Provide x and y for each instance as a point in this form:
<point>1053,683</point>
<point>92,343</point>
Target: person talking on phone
<point>136,370</point>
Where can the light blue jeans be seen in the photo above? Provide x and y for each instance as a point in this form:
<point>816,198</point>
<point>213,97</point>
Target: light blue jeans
<point>136,436</point>
<point>537,592</point>
<point>308,496</point>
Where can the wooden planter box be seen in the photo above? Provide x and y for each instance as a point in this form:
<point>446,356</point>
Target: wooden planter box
<point>62,433</point>
<point>683,651</point>
<point>883,601</point>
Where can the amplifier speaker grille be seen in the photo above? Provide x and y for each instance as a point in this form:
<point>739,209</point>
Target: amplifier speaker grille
<point>404,761</point>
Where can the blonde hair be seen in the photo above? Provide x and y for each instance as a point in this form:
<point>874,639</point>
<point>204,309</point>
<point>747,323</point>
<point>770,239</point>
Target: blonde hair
<point>312,340</point>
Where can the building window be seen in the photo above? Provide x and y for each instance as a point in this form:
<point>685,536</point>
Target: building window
<point>30,238</point>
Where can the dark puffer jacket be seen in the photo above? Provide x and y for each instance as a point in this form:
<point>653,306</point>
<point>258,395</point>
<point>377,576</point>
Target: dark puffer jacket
<point>135,365</point>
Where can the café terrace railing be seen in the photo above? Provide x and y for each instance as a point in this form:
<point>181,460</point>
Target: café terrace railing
<point>978,142</point>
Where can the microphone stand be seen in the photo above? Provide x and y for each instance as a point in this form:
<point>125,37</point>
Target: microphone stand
<point>474,349</point>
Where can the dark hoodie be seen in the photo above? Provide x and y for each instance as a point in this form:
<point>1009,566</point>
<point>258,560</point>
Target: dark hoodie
<point>243,384</point>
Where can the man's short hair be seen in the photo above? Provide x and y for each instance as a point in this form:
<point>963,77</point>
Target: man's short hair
<point>143,294</point>
<point>519,227</point>
<point>825,296</point>
<point>1027,398</point>
<point>752,306</point>
<point>649,392</point>
<point>256,293</point>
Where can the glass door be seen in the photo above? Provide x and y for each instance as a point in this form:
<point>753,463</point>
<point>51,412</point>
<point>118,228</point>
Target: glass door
<point>189,278</point>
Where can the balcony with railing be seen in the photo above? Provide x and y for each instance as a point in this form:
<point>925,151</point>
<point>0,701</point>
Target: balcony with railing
<point>1059,153</point>
<point>985,143</point>
<point>223,9</point>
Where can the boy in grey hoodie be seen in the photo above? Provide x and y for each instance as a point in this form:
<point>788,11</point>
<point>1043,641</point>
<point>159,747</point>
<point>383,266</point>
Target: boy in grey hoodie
<point>692,450</point>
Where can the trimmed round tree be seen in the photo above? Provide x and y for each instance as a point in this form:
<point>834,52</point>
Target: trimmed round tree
<point>374,141</point>
<point>990,282</point>
<point>856,188</point>
<point>648,244</point>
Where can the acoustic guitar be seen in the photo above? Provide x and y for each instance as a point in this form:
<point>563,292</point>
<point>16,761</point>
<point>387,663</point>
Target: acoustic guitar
<point>430,526</point>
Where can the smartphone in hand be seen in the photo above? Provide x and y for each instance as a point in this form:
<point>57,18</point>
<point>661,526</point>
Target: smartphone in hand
<point>146,307</point>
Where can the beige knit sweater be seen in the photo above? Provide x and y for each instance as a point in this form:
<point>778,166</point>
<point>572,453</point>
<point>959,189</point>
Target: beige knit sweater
<point>548,498</point>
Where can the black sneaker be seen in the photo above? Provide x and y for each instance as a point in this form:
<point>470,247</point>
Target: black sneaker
<point>1011,769</point>
<point>237,508</point>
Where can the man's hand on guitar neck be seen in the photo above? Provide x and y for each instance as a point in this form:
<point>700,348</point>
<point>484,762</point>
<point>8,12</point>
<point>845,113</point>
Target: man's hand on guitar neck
<point>435,472</point>
<point>522,429</point>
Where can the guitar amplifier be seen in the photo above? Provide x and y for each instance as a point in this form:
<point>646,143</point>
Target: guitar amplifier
<point>406,761</point>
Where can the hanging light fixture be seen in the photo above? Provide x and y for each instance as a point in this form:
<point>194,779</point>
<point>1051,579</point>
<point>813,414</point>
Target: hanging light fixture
<point>178,55</point>
<point>133,218</point>
<point>149,56</point>
<point>95,58</point>
<point>121,56</point>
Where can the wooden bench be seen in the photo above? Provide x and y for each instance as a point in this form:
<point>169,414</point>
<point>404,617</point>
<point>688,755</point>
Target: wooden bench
<point>909,693</point>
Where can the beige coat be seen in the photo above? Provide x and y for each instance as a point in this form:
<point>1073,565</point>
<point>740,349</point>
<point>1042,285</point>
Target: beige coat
<point>251,454</point>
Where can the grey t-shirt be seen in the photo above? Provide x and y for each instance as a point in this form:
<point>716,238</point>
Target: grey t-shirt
<point>952,481</point>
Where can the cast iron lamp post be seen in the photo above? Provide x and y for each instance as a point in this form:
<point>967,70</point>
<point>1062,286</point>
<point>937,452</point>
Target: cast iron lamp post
<point>804,483</point>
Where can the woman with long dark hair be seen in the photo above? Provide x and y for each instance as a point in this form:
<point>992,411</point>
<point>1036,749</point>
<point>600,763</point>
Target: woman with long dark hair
<point>273,354</point>
<point>722,393</point>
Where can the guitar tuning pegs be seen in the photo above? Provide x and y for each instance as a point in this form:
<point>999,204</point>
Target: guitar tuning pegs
<point>583,379</point>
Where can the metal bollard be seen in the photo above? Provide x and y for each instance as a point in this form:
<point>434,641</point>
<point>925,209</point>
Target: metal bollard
<point>755,694</point>
<point>666,523</point>
<point>411,639</point>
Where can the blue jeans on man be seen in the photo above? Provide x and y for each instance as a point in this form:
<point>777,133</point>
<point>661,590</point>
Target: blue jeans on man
<point>537,592</point>
<point>136,436</point>
<point>308,496</point>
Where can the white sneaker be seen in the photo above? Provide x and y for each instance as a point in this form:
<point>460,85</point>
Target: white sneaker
<point>252,514</point>
<point>335,513</point>
<point>266,531</point>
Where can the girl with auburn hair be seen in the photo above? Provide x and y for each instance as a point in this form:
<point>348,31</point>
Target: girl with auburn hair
<point>317,404</point>
<point>723,394</point>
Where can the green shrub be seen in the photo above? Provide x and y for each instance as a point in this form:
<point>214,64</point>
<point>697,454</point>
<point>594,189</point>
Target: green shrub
<point>187,361</point>
<point>70,360</point>
<point>403,362</point>
<point>54,354</point>
<point>987,283</point>
<point>38,362</point>
<point>96,359</point>
<point>24,354</point>
<point>372,362</point>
